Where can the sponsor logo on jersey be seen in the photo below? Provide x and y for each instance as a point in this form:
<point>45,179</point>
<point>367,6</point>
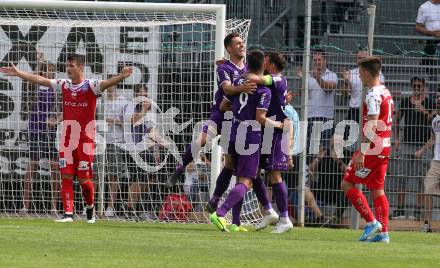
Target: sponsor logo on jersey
<point>76,104</point>
<point>362,173</point>
<point>263,97</point>
<point>63,163</point>
<point>83,165</point>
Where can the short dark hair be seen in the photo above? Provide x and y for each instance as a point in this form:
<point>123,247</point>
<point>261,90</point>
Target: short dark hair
<point>278,60</point>
<point>228,39</point>
<point>255,60</point>
<point>371,64</point>
<point>419,79</point>
<point>319,51</point>
<point>138,87</point>
<point>79,59</point>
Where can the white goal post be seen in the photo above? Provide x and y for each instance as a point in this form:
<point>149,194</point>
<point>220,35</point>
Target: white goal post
<point>173,49</point>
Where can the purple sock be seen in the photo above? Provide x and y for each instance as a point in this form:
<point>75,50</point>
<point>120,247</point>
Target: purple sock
<point>236,211</point>
<point>187,158</point>
<point>234,197</point>
<point>223,181</point>
<point>280,192</point>
<point>261,193</point>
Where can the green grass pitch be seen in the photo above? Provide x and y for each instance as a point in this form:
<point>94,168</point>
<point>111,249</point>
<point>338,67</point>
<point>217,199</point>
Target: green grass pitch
<point>43,243</point>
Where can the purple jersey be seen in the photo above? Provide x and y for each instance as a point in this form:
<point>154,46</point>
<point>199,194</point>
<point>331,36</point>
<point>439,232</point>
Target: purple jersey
<point>42,109</point>
<point>244,107</point>
<point>227,71</point>
<point>278,100</point>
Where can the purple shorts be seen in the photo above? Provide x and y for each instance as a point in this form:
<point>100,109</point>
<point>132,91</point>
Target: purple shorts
<point>214,122</point>
<point>276,160</point>
<point>246,166</point>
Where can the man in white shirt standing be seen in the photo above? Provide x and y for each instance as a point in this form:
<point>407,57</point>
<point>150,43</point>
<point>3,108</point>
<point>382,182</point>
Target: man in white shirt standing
<point>321,106</point>
<point>428,23</point>
<point>114,106</point>
<point>352,85</point>
<point>432,179</point>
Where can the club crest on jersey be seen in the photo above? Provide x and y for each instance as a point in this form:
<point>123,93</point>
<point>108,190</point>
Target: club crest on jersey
<point>83,165</point>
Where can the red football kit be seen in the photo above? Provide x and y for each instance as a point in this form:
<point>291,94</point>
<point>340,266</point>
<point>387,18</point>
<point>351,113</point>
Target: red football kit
<point>377,102</point>
<point>77,140</point>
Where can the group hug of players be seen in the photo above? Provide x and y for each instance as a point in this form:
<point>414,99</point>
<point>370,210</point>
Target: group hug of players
<point>255,91</point>
<point>244,89</point>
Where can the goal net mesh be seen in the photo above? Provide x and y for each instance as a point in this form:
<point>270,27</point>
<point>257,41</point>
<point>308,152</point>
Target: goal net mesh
<point>173,56</point>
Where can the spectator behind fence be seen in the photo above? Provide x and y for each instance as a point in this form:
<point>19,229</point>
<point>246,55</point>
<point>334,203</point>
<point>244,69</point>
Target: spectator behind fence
<point>44,115</point>
<point>327,169</point>
<point>415,112</point>
<point>432,179</point>
<point>428,23</point>
<point>196,184</point>
<point>321,102</point>
<point>140,180</point>
<point>352,85</point>
<point>114,105</point>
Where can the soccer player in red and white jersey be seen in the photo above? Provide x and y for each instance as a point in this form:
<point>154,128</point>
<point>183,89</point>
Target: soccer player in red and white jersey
<point>368,165</point>
<point>77,141</point>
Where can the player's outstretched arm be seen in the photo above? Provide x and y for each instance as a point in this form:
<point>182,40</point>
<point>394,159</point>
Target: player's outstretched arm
<point>230,90</point>
<point>33,78</point>
<point>262,80</point>
<point>125,72</point>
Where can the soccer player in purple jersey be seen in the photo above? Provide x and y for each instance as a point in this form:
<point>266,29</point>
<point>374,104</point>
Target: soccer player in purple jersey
<point>227,72</point>
<point>276,160</point>
<point>247,109</point>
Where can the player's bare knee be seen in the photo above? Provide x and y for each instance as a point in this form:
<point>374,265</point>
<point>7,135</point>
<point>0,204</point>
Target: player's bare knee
<point>67,177</point>
<point>83,180</point>
<point>229,162</point>
<point>246,181</point>
<point>275,177</point>
<point>346,186</point>
<point>377,192</point>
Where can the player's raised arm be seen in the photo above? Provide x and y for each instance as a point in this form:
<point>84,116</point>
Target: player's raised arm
<point>125,72</point>
<point>33,78</point>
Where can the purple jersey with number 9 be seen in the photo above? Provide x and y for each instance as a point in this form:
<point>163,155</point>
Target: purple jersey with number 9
<point>244,107</point>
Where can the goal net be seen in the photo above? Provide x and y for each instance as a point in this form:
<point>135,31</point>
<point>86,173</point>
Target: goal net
<point>172,49</point>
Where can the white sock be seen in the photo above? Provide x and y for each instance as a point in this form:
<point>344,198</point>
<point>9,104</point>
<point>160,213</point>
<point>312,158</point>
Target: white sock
<point>284,219</point>
<point>270,211</point>
<point>372,222</point>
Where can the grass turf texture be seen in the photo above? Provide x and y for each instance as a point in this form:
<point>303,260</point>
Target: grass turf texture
<point>43,243</point>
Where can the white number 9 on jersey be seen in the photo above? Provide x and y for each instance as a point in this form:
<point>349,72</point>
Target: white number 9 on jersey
<point>243,100</point>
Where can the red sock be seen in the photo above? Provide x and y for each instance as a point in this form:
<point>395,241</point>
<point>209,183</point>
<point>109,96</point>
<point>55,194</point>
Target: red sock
<point>88,192</point>
<point>381,207</point>
<point>359,201</point>
<point>67,195</point>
